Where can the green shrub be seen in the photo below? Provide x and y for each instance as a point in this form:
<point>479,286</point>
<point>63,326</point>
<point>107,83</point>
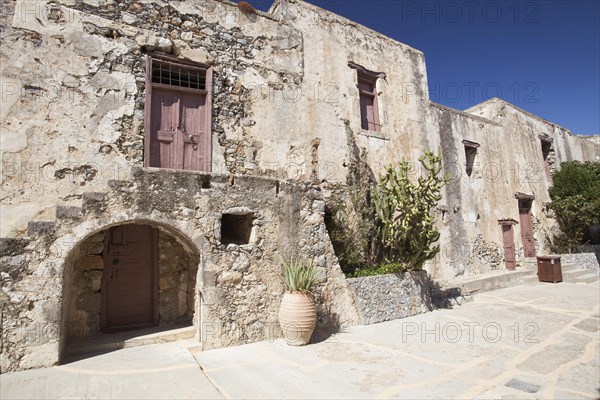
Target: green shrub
<point>575,195</point>
<point>381,269</point>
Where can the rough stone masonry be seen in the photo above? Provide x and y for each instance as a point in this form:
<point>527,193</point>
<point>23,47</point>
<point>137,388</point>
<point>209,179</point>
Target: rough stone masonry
<point>225,132</point>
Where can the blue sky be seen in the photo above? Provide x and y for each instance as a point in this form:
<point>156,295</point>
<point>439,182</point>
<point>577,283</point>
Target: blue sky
<point>543,56</point>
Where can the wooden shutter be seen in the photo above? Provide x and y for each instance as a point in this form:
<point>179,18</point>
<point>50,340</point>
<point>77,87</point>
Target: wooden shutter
<point>369,114</point>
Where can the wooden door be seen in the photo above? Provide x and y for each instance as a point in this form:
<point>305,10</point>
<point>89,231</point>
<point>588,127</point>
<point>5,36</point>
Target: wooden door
<point>164,124</point>
<point>130,278</point>
<point>179,136</point>
<point>509,246</point>
<point>527,232</point>
<point>196,143</point>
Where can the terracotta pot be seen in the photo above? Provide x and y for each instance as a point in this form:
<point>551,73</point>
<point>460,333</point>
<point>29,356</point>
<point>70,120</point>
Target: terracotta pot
<point>297,318</point>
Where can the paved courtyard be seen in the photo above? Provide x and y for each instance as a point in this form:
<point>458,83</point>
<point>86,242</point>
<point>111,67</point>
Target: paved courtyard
<point>529,341</point>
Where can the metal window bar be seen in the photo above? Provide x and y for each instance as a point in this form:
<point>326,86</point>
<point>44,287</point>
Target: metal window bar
<point>167,73</point>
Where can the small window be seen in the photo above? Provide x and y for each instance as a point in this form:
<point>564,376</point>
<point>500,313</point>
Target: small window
<point>546,149</point>
<point>525,204</point>
<point>236,228</point>
<point>368,96</point>
<point>470,153</point>
<point>369,112</point>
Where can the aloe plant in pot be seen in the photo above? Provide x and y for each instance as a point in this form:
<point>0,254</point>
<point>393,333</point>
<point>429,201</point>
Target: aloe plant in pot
<point>297,313</point>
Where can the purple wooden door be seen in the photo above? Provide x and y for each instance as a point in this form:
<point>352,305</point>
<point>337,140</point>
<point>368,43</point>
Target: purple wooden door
<point>165,120</point>
<point>195,141</point>
<point>368,111</point>
<point>179,135</point>
<point>527,232</point>
<point>130,287</point>
<point>509,246</point>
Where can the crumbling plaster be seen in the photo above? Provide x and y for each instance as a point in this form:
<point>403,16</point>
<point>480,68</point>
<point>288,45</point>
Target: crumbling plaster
<point>238,286</point>
<point>285,129</point>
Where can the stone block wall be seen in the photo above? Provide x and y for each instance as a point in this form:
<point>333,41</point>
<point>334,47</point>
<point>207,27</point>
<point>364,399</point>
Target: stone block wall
<point>388,297</point>
<point>84,283</point>
<point>72,122</point>
<point>50,281</point>
<point>587,261</point>
<point>177,270</point>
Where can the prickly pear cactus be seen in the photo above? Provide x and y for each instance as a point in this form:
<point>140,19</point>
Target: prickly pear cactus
<point>403,207</point>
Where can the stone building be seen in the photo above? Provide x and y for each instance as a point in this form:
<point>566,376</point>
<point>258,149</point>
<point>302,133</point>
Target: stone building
<point>160,158</point>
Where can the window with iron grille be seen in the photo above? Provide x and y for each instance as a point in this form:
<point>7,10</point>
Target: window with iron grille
<point>168,73</point>
<point>177,114</point>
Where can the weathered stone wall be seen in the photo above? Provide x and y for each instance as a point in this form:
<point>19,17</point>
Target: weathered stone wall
<point>285,105</point>
<point>587,261</point>
<point>238,287</point>
<point>83,283</point>
<point>591,248</point>
<point>387,297</point>
<point>177,270</point>
<point>277,110</point>
<point>77,126</point>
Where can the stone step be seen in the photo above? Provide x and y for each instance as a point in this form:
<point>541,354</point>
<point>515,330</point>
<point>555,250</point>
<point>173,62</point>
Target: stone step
<point>588,278</point>
<point>496,280</point>
<point>36,229</point>
<point>573,274</point>
<point>121,340</point>
<point>529,279</point>
<point>13,246</point>
<point>94,201</point>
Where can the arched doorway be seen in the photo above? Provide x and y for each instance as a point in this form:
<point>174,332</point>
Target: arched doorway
<point>128,278</point>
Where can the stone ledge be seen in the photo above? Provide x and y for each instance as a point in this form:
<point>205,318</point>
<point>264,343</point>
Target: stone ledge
<point>68,212</point>
<point>586,261</point>
<point>40,228</point>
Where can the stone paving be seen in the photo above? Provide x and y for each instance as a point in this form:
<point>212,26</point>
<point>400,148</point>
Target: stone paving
<point>527,342</point>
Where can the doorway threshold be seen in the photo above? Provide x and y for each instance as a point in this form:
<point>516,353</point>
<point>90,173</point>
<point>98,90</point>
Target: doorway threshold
<point>107,342</point>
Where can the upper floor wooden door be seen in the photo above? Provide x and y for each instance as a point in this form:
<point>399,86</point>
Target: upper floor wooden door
<point>178,131</point>
<point>178,114</point>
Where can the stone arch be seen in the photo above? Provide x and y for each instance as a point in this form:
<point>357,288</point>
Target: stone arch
<point>179,269</point>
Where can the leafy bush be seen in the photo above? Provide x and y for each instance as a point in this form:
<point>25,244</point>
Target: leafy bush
<point>381,269</point>
<point>575,198</point>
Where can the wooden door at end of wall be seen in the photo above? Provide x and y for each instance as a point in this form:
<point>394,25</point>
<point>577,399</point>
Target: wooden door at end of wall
<point>527,232</point>
<point>509,246</point>
<point>130,278</point>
